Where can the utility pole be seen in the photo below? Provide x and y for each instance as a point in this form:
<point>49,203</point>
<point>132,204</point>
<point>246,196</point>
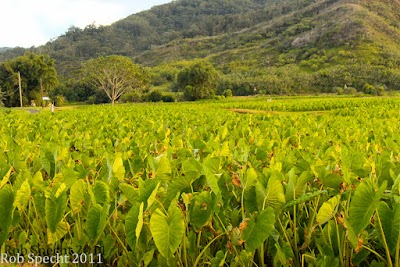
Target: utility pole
<point>41,92</point>
<point>20,88</point>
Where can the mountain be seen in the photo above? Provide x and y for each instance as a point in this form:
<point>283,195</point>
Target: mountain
<point>3,49</point>
<point>290,45</point>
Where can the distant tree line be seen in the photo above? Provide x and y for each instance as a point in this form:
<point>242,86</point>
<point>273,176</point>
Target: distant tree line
<point>38,78</point>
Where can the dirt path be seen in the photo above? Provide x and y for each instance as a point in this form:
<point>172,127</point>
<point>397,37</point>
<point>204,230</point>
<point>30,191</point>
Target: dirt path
<point>32,111</point>
<point>255,111</point>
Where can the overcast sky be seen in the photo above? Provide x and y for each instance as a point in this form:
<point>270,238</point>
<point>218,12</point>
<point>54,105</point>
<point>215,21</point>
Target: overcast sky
<point>26,23</point>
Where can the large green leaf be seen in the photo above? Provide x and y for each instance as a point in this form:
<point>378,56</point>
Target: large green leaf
<point>328,210</point>
<point>167,230</point>
<point>23,195</point>
<point>6,211</point>
<point>390,220</point>
<point>131,224</point>
<point>6,178</point>
<point>274,196</point>
<point>160,166</point>
<point>49,163</point>
<point>201,209</point>
<point>55,207</point>
<point>258,229</point>
<point>101,192</point>
<point>129,192</point>
<point>297,185</point>
<point>118,168</point>
<point>96,221</point>
<point>212,181</point>
<point>77,196</point>
<point>61,231</point>
<point>139,226</point>
<point>152,196</point>
<point>363,204</point>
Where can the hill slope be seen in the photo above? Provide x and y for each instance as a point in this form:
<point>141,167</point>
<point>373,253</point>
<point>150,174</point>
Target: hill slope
<point>319,44</point>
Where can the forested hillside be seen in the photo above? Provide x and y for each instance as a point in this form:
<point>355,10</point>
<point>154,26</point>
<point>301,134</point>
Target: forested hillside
<point>265,46</point>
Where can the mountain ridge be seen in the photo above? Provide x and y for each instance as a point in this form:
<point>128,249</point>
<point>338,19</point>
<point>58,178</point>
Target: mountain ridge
<point>332,42</point>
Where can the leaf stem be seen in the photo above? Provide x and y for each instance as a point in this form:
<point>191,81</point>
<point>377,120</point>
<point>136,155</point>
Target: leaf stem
<point>204,250</point>
<point>389,259</point>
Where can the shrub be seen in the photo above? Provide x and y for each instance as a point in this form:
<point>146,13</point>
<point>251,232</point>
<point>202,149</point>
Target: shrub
<point>154,96</point>
<point>168,98</point>
<point>227,93</point>
<point>350,91</point>
<point>60,101</point>
<point>132,97</point>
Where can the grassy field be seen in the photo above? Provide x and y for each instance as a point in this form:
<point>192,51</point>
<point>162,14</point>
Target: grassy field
<point>247,182</point>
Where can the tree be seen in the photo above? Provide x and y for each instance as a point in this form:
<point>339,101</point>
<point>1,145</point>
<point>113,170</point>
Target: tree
<point>198,81</point>
<point>115,75</point>
<point>37,72</point>
<point>1,98</point>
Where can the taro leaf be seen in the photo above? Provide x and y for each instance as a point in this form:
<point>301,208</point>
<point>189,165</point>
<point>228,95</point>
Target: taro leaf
<point>332,180</point>
<point>219,259</point>
<point>61,231</point>
<point>275,196</point>
<point>118,168</point>
<point>258,229</point>
<point>101,192</point>
<point>49,163</point>
<point>213,164</point>
<point>146,189</point>
<point>37,181</point>
<point>55,207</point>
<point>139,226</point>
<point>96,221</point>
<point>363,204</point>
<point>130,193</point>
<point>77,196</point>
<point>160,166</point>
<point>6,211</point>
<point>152,196</point>
<point>212,181</point>
<point>250,178</point>
<point>131,223</point>
<point>328,210</point>
<point>252,199</point>
<point>390,220</point>
<point>297,185</point>
<point>22,196</point>
<point>201,209</point>
<point>6,178</point>
<point>147,258</point>
<point>167,230</point>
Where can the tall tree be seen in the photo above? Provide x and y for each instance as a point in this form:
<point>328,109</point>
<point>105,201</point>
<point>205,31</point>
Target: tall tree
<point>35,69</point>
<point>9,84</point>
<point>198,81</point>
<point>115,75</point>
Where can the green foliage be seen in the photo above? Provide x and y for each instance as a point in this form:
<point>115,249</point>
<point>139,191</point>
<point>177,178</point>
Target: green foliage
<point>154,96</point>
<point>115,75</point>
<point>312,181</point>
<point>167,230</point>
<point>258,229</point>
<point>35,69</point>
<point>197,81</point>
<point>6,211</point>
<point>284,47</point>
<point>131,97</point>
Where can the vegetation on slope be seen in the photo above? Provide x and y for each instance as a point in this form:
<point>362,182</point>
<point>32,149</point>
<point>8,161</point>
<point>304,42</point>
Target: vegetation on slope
<point>261,46</point>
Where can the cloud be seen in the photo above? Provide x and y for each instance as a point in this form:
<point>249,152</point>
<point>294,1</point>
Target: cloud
<point>25,22</point>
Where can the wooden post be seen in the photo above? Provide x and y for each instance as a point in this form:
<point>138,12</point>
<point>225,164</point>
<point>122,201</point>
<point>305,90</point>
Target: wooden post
<point>20,88</point>
<point>41,92</point>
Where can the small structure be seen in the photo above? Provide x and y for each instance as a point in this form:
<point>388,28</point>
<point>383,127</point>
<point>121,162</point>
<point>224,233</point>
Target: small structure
<point>46,101</point>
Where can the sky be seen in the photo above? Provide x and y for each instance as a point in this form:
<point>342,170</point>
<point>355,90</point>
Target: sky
<point>27,23</point>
